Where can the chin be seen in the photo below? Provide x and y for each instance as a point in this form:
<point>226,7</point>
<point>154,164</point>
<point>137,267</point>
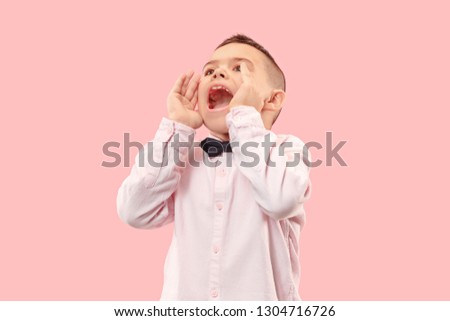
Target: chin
<point>217,126</point>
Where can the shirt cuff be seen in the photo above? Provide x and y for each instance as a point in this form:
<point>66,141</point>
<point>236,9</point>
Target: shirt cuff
<point>168,128</point>
<point>244,122</point>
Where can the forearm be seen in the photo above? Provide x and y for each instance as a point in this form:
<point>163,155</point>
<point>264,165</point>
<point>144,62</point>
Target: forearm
<point>273,164</point>
<point>145,197</point>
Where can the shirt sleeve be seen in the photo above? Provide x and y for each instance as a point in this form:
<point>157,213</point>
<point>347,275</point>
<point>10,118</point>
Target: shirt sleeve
<point>146,197</point>
<point>274,164</point>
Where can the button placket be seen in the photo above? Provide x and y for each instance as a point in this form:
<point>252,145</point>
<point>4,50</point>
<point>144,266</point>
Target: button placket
<point>221,175</point>
<point>214,293</point>
<point>222,172</point>
<point>219,206</point>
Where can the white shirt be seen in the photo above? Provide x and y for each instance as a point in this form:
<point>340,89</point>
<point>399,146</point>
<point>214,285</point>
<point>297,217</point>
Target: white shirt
<point>237,228</point>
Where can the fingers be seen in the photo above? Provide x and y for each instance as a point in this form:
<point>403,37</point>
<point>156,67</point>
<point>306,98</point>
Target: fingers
<point>245,73</point>
<point>187,87</point>
<point>186,83</point>
<point>192,87</point>
<point>194,99</point>
<point>179,84</point>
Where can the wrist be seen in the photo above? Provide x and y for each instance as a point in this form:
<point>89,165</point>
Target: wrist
<point>181,120</point>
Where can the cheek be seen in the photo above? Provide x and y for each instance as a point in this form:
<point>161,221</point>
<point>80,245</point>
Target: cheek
<point>202,90</point>
<point>237,79</point>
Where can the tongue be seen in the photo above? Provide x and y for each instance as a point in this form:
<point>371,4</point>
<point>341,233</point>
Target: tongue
<point>221,99</point>
<point>222,103</point>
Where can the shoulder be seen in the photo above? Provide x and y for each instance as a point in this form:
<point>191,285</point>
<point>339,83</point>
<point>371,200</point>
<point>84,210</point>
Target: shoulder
<point>292,145</point>
<point>287,138</point>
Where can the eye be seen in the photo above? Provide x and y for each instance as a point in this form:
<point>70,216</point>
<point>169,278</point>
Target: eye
<point>237,68</point>
<point>208,72</point>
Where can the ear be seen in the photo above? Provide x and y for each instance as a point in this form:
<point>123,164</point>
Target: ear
<point>271,107</point>
<point>275,101</point>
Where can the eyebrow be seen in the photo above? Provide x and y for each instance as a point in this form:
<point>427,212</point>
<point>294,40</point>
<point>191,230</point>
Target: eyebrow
<point>212,62</point>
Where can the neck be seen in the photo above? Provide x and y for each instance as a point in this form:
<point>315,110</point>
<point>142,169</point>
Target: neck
<point>223,137</point>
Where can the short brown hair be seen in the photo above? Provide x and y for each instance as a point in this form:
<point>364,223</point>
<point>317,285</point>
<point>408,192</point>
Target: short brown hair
<point>277,77</point>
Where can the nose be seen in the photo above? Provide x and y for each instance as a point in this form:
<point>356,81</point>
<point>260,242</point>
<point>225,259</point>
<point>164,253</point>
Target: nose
<point>219,72</point>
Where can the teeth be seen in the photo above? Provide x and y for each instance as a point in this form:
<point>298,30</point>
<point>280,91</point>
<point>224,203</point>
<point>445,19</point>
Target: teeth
<point>217,87</point>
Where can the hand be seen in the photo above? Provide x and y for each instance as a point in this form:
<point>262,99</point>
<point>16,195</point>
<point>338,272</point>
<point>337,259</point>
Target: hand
<point>247,94</point>
<point>182,100</point>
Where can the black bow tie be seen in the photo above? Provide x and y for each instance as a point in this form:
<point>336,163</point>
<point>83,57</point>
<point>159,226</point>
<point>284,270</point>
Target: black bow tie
<point>214,147</point>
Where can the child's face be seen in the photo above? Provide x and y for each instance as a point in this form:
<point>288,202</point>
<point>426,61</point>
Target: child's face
<point>221,79</point>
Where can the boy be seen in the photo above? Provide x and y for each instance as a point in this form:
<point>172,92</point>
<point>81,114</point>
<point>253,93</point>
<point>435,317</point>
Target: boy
<point>237,218</point>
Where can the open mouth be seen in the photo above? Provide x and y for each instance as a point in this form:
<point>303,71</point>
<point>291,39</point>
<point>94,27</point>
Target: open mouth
<point>219,98</point>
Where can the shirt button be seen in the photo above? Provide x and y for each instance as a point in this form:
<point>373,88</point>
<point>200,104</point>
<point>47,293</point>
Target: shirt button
<point>219,206</point>
<point>214,293</point>
<point>216,249</point>
<point>222,172</point>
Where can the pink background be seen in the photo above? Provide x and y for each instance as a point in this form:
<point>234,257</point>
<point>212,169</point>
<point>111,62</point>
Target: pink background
<point>77,74</point>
